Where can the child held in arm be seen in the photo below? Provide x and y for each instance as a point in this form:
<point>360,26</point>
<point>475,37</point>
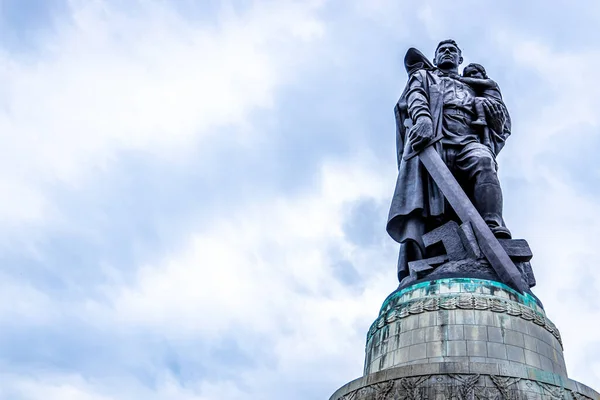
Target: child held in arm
<point>474,75</point>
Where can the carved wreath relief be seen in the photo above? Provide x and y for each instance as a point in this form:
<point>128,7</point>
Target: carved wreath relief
<point>462,387</point>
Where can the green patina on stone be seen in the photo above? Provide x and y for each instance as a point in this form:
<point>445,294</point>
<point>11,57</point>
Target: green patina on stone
<point>468,285</point>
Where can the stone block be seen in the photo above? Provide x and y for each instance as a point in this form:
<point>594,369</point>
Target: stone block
<point>374,377</point>
<point>499,361</point>
<point>448,236</point>
<point>546,363</point>
<point>501,293</point>
<point>418,336</point>
<point>435,349</point>
<point>446,317</point>
<point>385,332</point>
<point>544,349</point>
<point>410,323</point>
<point>368,358</point>
<point>375,364</point>
<point>476,359</point>
<point>546,336</point>
<point>418,351</point>
<point>557,356</point>
<point>526,271</point>
<point>495,334</point>
<point>376,339</point>
<point>520,325</point>
<point>427,319</point>
<point>401,356</point>
<point>454,332</point>
<point>515,353</point>
<point>396,327</point>
<point>537,331</point>
<point>483,368</point>
<point>425,369</point>
<point>514,338</point>
<point>393,342</point>
<point>556,346</point>
<point>356,384</point>
<point>476,348</point>
<point>376,352</point>
<point>456,348</point>
<point>560,369</point>
<point>475,332</point>
<point>454,368</point>
<point>419,268</point>
<point>532,358</point>
<point>387,361</point>
<point>517,249</point>
<point>433,334</point>
<point>496,350</point>
<point>504,321</point>
<point>512,369</point>
<point>469,241</point>
<point>435,360</point>
<point>446,288</point>
<point>464,317</point>
<point>384,347</point>
<point>484,317</point>
<point>484,290</point>
<point>405,339</point>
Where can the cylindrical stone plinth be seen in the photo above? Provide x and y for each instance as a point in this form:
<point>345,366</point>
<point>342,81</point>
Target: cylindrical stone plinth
<point>463,320</point>
<point>463,339</point>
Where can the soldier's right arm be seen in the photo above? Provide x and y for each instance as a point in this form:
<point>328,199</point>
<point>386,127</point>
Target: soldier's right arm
<point>417,97</point>
<point>418,108</point>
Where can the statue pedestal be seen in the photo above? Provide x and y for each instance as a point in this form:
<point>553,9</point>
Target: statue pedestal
<point>463,338</point>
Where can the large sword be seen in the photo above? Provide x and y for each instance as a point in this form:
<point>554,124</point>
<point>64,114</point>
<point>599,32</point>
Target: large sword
<point>466,211</point>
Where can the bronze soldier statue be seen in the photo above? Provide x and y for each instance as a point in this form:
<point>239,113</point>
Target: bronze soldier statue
<point>438,106</point>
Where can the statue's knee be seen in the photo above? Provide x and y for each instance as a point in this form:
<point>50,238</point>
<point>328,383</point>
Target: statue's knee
<point>486,163</point>
<point>484,171</point>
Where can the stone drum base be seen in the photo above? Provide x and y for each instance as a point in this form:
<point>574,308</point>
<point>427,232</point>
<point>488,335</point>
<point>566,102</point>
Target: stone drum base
<point>463,320</point>
<point>462,338</point>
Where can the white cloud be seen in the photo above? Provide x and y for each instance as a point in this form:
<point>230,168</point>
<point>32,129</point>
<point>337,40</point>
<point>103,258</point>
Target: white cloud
<point>263,272</point>
<point>257,267</point>
<point>147,79</point>
<point>50,387</point>
<point>569,107</point>
<point>268,272</point>
<point>62,386</point>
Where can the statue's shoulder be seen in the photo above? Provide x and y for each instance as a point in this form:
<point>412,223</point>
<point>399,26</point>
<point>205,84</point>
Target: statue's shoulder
<point>415,62</point>
<point>419,73</point>
<point>423,77</point>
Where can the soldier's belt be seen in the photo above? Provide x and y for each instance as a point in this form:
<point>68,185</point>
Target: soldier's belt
<point>454,111</point>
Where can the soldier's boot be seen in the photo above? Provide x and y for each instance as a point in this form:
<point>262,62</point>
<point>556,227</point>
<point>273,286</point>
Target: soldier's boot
<point>488,201</point>
<point>410,250</point>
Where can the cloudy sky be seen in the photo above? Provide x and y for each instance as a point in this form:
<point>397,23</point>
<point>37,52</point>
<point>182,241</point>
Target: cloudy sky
<point>194,192</point>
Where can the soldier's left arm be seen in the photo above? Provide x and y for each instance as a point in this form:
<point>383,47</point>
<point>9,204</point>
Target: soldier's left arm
<point>499,122</point>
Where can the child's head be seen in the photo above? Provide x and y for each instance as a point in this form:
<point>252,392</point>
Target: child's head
<point>474,70</point>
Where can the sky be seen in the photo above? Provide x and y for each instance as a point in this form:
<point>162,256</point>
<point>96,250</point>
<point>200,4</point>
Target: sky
<point>193,194</point>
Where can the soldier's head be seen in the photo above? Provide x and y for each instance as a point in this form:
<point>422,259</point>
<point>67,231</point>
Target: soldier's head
<point>448,54</point>
<point>474,70</point>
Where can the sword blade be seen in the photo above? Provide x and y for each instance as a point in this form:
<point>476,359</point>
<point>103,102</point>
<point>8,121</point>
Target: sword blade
<point>466,211</point>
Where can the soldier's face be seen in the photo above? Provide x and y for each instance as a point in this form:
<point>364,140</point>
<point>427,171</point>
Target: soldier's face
<point>447,55</point>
